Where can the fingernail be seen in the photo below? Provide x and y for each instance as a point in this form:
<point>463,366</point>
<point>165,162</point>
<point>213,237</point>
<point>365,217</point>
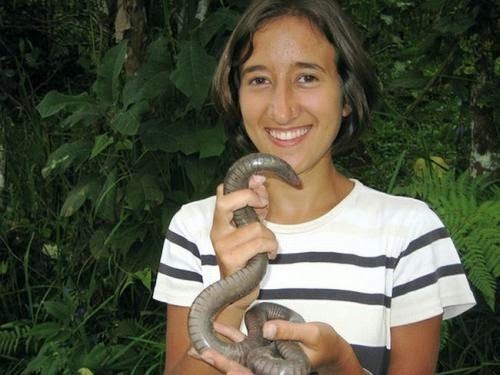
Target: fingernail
<point>269,331</point>
<point>259,178</point>
<point>208,359</point>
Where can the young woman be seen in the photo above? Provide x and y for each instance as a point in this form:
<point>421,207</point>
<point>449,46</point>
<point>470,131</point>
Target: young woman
<point>372,274</point>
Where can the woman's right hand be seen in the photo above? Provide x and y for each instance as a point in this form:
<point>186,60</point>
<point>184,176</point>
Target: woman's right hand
<point>234,247</point>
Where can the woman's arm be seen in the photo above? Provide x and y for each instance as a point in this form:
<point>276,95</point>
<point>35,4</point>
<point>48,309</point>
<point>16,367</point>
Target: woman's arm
<point>177,359</point>
<point>415,347</point>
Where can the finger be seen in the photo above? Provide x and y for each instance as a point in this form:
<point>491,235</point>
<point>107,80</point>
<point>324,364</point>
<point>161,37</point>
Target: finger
<point>229,332</point>
<point>285,330</point>
<point>256,181</point>
<point>226,204</point>
<point>193,353</point>
<point>238,256</point>
<point>246,241</point>
<point>223,363</point>
<point>257,185</point>
<point>253,239</point>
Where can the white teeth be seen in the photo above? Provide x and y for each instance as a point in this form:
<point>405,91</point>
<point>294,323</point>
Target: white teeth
<point>288,134</point>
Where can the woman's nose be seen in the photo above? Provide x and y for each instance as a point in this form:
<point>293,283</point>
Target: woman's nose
<point>283,106</point>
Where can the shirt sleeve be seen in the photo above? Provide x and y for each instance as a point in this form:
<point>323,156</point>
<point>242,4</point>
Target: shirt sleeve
<point>429,279</point>
<point>179,279</point>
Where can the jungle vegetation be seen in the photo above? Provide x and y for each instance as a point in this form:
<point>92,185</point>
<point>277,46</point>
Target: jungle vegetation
<point>106,128</point>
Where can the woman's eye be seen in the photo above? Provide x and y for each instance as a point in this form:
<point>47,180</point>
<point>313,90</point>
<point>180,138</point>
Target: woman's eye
<point>307,78</point>
<point>258,81</point>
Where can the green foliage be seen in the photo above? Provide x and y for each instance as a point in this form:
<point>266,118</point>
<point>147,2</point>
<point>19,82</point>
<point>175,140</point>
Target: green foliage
<point>194,72</point>
<point>11,336</point>
<point>124,153</point>
<point>431,57</point>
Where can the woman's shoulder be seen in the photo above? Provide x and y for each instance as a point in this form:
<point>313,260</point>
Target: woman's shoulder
<point>369,194</point>
<point>197,212</point>
<point>370,199</point>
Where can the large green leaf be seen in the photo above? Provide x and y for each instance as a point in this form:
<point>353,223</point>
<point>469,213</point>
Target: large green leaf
<point>152,78</point>
<point>143,192</point>
<point>145,277</point>
<point>54,102</point>
<point>194,71</point>
<point>61,310</point>
<point>201,173</point>
<point>128,122</point>
<point>180,137</point>
<point>65,156</point>
<point>105,204</point>
<point>155,135</point>
<point>211,141</point>
<point>77,197</point>
<point>142,88</point>
<point>85,114</point>
<point>224,19</point>
<point>102,142</point>
<point>124,235</point>
<point>107,84</point>
<point>159,58</point>
<point>45,330</point>
<point>153,194</point>
<point>97,246</point>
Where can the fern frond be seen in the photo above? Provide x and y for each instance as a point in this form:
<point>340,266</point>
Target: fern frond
<point>11,336</point>
<point>478,272</point>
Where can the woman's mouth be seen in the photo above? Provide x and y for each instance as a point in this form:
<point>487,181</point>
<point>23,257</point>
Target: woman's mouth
<point>288,135</point>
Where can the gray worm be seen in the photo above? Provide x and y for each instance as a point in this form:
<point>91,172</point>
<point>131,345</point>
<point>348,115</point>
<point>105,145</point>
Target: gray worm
<point>262,356</point>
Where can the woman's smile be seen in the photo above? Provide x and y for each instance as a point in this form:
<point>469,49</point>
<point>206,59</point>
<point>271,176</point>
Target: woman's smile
<point>288,137</point>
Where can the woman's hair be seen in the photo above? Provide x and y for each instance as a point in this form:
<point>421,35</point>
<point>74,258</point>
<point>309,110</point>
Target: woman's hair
<point>358,79</point>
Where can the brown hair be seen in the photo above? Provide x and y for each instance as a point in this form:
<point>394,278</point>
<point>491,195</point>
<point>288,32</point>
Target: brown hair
<point>358,80</point>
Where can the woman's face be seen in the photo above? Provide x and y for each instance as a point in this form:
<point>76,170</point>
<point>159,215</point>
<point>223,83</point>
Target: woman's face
<point>290,93</point>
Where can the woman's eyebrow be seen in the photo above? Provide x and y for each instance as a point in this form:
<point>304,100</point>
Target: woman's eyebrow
<point>309,65</point>
<point>298,64</point>
<point>251,69</point>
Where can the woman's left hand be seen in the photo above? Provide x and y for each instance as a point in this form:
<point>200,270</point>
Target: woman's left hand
<point>324,347</point>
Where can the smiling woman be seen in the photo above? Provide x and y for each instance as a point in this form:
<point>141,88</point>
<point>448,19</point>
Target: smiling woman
<point>372,274</point>
<point>291,97</point>
<point>350,60</point>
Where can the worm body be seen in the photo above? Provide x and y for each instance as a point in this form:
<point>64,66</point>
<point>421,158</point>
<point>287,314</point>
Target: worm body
<point>260,355</point>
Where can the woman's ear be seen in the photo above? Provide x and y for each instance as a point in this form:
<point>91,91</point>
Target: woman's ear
<point>346,110</point>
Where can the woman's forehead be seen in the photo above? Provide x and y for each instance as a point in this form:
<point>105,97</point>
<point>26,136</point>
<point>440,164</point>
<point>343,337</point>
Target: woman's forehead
<point>290,39</point>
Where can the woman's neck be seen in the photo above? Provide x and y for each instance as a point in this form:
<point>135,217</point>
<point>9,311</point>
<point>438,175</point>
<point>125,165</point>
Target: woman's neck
<point>320,192</point>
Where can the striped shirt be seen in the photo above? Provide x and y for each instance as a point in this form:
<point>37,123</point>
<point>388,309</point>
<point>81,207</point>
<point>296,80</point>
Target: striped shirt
<point>373,262</point>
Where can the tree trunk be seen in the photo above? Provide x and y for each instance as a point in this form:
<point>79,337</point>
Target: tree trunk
<point>130,23</point>
<point>485,151</point>
<point>202,9</point>
<point>2,167</point>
